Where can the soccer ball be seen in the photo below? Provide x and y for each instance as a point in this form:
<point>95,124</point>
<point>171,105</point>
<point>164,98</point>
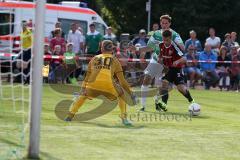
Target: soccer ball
<point>194,109</point>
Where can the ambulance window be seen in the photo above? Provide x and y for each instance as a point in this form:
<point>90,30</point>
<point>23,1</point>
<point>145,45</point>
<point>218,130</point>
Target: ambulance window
<point>66,25</point>
<point>100,28</point>
<point>6,23</point>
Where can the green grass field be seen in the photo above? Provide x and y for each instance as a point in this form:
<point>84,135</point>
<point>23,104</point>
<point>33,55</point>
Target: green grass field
<point>215,135</point>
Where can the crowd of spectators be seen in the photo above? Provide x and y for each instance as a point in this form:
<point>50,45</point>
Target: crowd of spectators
<point>225,74</point>
<point>202,67</point>
<point>198,69</point>
<point>72,45</point>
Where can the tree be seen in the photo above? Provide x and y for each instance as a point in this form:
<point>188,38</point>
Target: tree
<point>130,16</point>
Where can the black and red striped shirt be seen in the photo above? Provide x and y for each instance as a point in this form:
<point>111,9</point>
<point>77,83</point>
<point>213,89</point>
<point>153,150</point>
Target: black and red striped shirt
<point>170,54</point>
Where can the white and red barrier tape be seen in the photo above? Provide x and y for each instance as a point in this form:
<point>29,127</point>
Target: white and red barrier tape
<point>121,59</point>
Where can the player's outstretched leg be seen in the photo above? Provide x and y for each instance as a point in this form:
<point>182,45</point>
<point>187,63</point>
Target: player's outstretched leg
<point>163,95</point>
<point>144,91</point>
<point>184,91</point>
<point>123,115</point>
<point>75,107</point>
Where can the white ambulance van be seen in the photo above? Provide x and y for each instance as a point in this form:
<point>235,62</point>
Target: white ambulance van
<point>12,13</point>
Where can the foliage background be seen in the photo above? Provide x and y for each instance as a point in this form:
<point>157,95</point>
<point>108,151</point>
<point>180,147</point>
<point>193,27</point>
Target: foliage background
<point>129,16</point>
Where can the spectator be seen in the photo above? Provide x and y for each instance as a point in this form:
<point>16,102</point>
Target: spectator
<point>56,52</point>
<point>154,28</point>
<point>46,64</point>
<point>71,64</point>
<point>213,41</point>
<point>47,52</point>
<point>191,69</point>
<point>193,41</point>
<point>228,43</point>
<point>76,38</point>
<point>110,36</point>
<point>93,40</point>
<point>234,38</point>
<point>52,33</point>
<point>30,24</point>
<point>58,40</point>
<point>141,39</point>
<point>82,32</point>
<point>210,77</point>
<point>235,68</point>
<point>223,69</point>
<point>56,66</point>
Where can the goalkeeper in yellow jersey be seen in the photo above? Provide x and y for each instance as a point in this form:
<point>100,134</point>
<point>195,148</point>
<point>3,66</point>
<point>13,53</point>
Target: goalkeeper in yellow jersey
<point>104,77</point>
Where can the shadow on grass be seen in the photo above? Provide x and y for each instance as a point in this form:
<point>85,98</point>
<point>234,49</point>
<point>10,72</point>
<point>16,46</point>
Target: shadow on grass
<point>43,156</point>
<point>201,116</point>
<point>12,143</point>
<point>113,126</point>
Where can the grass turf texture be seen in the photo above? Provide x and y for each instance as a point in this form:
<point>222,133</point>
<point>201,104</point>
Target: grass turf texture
<point>214,135</point>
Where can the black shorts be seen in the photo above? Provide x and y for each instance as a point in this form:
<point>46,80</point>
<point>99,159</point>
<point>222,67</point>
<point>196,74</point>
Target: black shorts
<point>25,55</point>
<point>174,75</point>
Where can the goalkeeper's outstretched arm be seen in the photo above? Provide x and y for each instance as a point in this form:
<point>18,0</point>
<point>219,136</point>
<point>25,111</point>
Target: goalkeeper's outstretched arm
<point>123,82</point>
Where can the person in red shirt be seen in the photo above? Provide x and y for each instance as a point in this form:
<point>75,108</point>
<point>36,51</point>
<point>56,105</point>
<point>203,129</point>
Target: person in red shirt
<point>47,52</point>
<point>58,40</point>
<point>173,60</point>
<point>57,66</point>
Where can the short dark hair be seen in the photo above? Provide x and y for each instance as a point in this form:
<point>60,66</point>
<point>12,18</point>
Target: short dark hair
<point>212,28</point>
<point>72,24</point>
<point>167,17</point>
<point>167,33</point>
<point>92,25</point>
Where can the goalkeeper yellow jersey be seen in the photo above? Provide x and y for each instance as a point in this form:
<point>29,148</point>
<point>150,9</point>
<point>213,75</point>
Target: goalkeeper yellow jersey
<point>102,75</point>
<point>26,39</point>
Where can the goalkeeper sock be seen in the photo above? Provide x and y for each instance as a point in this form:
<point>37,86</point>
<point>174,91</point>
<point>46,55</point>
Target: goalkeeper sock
<point>77,104</point>
<point>188,96</point>
<point>122,106</point>
<point>144,90</point>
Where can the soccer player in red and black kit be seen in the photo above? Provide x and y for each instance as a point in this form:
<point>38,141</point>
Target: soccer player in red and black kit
<point>173,59</point>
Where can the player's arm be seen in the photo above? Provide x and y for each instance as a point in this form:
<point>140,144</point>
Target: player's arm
<point>123,82</point>
<point>145,49</point>
<point>178,40</point>
<point>182,60</point>
<point>151,45</point>
<point>120,77</point>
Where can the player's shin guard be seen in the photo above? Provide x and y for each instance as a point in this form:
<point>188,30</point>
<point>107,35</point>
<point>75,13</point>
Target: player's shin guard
<point>144,90</point>
<point>188,96</point>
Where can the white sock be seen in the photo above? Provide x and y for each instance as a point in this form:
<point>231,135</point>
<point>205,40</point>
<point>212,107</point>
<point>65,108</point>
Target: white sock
<point>227,81</point>
<point>144,90</point>
<point>157,81</point>
<point>157,98</point>
<point>221,82</point>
